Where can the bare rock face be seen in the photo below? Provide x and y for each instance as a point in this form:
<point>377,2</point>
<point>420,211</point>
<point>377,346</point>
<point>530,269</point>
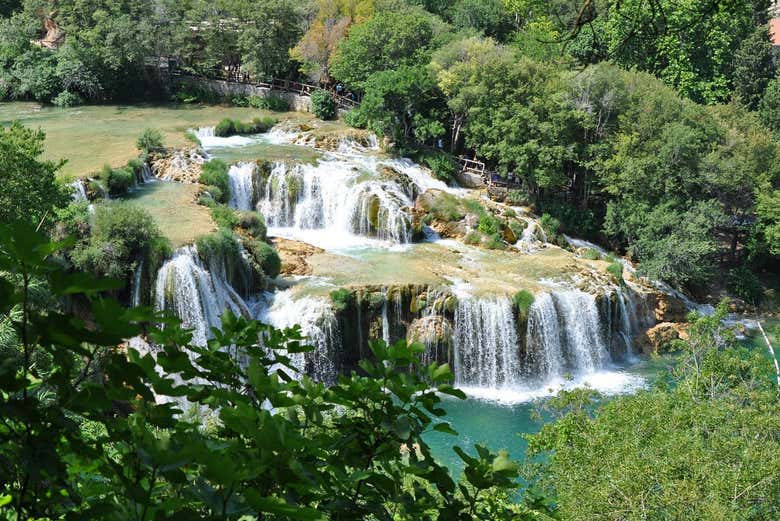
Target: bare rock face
<point>180,165</point>
<point>669,309</point>
<point>659,338</point>
<point>294,256</point>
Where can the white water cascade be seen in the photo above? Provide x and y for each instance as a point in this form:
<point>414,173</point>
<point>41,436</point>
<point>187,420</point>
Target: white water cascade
<point>136,284</point>
<point>486,348</point>
<point>334,196</point>
<point>564,335</point>
<point>319,326</point>
<point>241,190</point>
<point>195,294</point>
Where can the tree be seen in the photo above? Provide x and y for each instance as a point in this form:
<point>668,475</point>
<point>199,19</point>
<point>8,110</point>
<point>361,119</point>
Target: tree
<point>386,41</point>
<point>701,448</point>
<point>769,108</point>
<point>489,17</point>
<point>28,185</point>
<point>753,67</point>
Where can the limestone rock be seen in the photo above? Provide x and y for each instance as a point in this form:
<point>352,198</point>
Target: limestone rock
<point>669,308</point>
<point>181,165</point>
<point>468,179</point>
<point>294,256</point>
<point>658,339</point>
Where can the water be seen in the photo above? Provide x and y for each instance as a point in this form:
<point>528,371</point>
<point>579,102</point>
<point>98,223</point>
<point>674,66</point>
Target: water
<point>241,189</point>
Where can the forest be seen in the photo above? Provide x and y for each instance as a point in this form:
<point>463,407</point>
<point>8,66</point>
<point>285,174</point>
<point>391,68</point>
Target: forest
<point>648,130</point>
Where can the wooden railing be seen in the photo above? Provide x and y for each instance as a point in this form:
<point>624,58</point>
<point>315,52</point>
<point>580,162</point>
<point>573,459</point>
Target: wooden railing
<point>295,87</point>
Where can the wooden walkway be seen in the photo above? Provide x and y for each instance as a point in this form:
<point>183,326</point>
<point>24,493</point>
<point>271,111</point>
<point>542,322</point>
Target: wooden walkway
<point>295,87</point>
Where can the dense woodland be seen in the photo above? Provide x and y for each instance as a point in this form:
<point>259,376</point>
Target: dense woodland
<point>649,126</point>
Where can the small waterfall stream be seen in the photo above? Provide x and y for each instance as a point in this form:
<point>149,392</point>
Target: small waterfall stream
<point>241,190</point>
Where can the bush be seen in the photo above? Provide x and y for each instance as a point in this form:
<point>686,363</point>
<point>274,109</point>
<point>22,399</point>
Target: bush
<point>222,243</point>
<point>473,238</point>
<point>743,283</point>
<point>616,270</point>
<point>270,102</point>
<point>522,301</point>
<point>122,234</point>
<point>215,173</point>
<point>551,227</point>
<point>224,216</point>
<point>67,99</point>
<point>517,198</point>
<point>342,299</point>
<point>254,223</point>
<point>213,194</point>
<point>489,225</point>
<point>230,127</point>
<point>355,118</point>
<point>265,258</point>
<point>119,181</point>
<point>323,104</point>
<point>442,165</point>
<point>494,242</point>
<point>591,254</point>
<point>149,139</point>
<point>446,207</point>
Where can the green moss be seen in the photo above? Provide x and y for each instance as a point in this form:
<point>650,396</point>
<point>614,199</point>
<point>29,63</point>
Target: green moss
<point>447,207</point>
<point>264,258</point>
<point>342,299</point>
<point>253,223</point>
<point>522,301</point>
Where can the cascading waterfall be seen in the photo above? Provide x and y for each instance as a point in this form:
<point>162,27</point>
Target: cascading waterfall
<point>136,284</point>
<point>486,346</point>
<point>79,191</point>
<point>241,188</point>
<point>195,294</point>
<point>335,196</point>
<point>564,335</point>
<point>319,326</point>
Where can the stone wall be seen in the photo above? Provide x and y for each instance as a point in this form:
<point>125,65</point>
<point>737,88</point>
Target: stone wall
<point>227,89</point>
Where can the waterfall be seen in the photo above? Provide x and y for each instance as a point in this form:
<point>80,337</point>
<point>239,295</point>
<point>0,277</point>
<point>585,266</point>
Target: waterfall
<point>147,175</point>
<point>136,284</point>
<point>336,197</point>
<point>241,190</point>
<point>79,190</point>
<point>487,352</point>
<point>318,324</point>
<point>195,294</point>
<point>564,335</point>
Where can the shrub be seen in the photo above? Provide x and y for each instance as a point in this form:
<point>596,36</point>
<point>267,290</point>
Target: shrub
<point>551,227</point>
<point>489,225</point>
<point>222,243</point>
<point>215,173</point>
<point>270,102</point>
<point>517,198</point>
<point>119,181</point>
<point>743,283</point>
<point>323,104</point>
<point>254,223</point>
<point>265,258</point>
<point>494,242</point>
<point>239,101</point>
<point>591,254</point>
<point>355,118</point>
<point>442,165</point>
<point>509,212</point>
<point>518,227</point>
<point>342,299</point>
<point>122,234</point>
<point>616,270</point>
<point>522,301</point>
<point>224,216</point>
<point>213,194</point>
<point>149,139</point>
<point>474,238</point>
<point>67,99</point>
<point>230,127</point>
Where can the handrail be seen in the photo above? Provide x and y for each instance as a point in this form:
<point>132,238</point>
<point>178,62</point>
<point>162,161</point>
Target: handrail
<point>296,87</point>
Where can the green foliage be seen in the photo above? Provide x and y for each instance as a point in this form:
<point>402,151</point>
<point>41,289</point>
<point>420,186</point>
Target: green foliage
<point>442,165</point>
<point>215,173</point>
<point>753,67</point>
<point>67,99</point>
<point>28,187</point>
<point>342,299</point>
<point>522,301</point>
<point>355,118</point>
<point>323,104</point>
<point>489,224</point>
<point>616,270</point>
<point>743,283</point>
<point>118,180</point>
<point>150,139</point>
<point>224,216</point>
<point>551,227</point>
<point>253,223</point>
<point>270,102</point>
<point>122,235</point>
<point>591,254</point>
<point>265,257</point>
<point>230,127</point>
<point>715,422</point>
<point>446,207</point>
<point>769,108</point>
